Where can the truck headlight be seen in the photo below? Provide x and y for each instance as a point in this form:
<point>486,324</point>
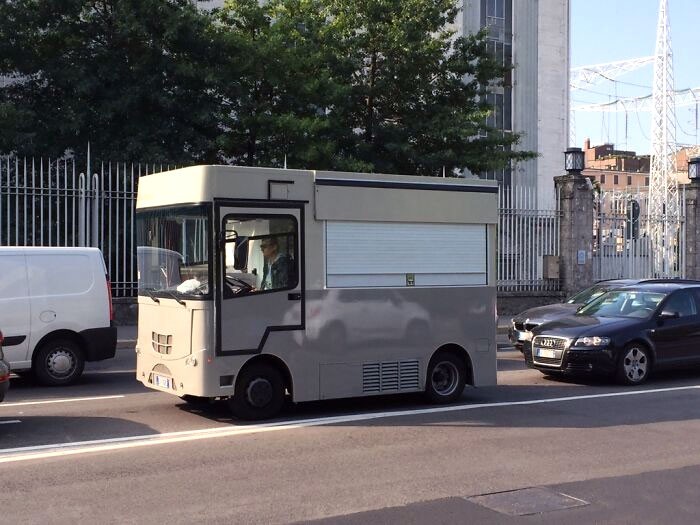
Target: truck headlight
<point>594,341</point>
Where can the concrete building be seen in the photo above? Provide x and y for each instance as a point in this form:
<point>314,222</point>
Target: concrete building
<point>535,33</point>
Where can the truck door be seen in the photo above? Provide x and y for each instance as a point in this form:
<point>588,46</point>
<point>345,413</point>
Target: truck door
<point>260,278</point>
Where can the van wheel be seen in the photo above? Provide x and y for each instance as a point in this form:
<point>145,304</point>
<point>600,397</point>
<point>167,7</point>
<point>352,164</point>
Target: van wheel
<point>59,362</point>
<point>259,393</point>
<point>446,378</point>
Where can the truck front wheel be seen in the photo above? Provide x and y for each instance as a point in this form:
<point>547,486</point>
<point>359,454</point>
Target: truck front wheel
<point>259,393</point>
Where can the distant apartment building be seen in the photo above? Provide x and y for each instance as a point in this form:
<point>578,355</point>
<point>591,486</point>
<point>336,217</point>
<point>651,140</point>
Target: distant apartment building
<point>534,36</point>
<point>616,169</point>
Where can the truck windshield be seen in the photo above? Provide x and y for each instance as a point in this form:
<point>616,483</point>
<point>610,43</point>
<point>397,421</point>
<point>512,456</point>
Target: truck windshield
<point>173,252</point>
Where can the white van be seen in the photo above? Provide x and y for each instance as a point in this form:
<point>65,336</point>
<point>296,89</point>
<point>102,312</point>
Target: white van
<point>55,311</point>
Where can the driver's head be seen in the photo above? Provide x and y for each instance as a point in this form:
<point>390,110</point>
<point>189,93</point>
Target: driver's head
<point>269,248</point>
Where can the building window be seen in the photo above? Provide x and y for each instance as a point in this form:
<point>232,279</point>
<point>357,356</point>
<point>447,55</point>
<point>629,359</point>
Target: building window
<point>602,178</point>
<point>629,180</point>
<point>646,181</point>
<point>616,180</point>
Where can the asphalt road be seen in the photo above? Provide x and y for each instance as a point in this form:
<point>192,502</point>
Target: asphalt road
<point>532,449</point>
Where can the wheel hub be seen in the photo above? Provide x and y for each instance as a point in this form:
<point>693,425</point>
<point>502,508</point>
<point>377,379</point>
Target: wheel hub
<point>444,378</point>
<point>259,392</point>
<point>60,363</point>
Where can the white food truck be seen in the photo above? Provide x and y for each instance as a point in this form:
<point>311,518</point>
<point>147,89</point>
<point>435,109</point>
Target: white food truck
<point>260,285</point>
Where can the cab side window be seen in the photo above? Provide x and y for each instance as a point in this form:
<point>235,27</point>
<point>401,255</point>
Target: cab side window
<point>260,254</point>
<point>682,302</point>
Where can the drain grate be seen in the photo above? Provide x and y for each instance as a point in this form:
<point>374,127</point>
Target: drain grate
<point>523,502</point>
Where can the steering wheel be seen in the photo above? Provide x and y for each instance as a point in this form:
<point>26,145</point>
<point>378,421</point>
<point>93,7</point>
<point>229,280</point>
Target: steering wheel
<point>242,286</point>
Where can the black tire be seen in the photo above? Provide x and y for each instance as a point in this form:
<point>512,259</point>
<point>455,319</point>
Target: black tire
<point>446,378</point>
<point>634,365</point>
<point>259,393</point>
<point>59,362</point>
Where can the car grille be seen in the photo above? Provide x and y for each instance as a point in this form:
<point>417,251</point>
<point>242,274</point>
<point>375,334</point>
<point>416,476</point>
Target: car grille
<point>555,344</point>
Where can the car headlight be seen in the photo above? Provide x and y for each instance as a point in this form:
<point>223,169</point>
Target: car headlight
<point>589,341</point>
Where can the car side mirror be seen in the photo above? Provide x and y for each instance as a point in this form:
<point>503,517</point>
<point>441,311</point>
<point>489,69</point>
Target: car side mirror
<point>668,314</point>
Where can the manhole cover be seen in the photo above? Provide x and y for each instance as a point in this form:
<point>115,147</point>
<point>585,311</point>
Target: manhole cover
<point>527,501</point>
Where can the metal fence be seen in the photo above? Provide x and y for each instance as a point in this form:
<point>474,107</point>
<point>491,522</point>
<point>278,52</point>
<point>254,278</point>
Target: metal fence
<point>527,235</point>
<point>51,202</point>
<point>622,245</point>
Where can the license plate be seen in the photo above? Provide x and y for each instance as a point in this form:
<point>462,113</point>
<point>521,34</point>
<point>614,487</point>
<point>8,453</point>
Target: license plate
<point>545,352</point>
<point>161,381</point>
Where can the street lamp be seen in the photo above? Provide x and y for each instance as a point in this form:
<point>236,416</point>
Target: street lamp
<point>574,161</point>
<point>694,169</point>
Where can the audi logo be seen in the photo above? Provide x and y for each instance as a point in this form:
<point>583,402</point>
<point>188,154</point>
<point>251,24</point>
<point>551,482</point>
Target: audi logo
<point>549,343</point>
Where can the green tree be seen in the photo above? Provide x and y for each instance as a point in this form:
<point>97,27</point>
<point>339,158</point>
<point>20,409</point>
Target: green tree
<point>276,84</point>
<point>130,76</point>
<point>418,101</point>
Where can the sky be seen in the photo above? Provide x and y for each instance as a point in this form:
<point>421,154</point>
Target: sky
<point>610,30</point>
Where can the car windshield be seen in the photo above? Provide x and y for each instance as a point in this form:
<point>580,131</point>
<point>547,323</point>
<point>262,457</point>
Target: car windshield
<point>587,295</point>
<point>173,252</point>
<point>624,303</point>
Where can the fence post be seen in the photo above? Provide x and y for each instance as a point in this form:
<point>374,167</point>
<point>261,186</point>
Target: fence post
<point>692,223</point>
<point>576,231</point>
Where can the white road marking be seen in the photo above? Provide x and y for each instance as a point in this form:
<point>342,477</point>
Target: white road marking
<point>52,401</point>
<point>12,455</point>
<point>10,421</point>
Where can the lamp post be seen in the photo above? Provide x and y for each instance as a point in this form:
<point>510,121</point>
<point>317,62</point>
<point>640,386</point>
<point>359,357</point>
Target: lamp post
<point>694,170</point>
<point>574,161</point>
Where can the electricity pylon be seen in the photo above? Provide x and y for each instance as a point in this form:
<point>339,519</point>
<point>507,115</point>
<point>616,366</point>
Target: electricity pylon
<point>663,213</point>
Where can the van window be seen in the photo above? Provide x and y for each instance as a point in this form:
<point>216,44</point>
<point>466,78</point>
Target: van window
<point>14,278</point>
<point>59,274</point>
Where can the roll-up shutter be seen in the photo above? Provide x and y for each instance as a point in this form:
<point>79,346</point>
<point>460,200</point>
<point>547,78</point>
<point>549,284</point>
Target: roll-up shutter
<point>387,254</point>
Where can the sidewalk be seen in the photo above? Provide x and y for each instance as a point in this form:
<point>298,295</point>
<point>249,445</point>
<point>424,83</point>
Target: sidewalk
<point>126,335</point>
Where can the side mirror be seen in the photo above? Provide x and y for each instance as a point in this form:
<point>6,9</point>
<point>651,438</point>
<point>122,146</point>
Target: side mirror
<point>240,253</point>
<point>668,314</point>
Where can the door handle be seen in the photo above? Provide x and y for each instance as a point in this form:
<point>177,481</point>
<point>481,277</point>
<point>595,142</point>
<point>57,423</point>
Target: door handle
<point>294,296</point>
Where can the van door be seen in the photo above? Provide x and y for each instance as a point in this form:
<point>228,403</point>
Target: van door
<point>14,309</point>
<point>260,278</point>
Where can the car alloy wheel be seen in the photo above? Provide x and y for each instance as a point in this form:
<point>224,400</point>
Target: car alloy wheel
<point>635,365</point>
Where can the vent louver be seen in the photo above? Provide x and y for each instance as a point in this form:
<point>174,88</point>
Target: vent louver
<point>392,376</point>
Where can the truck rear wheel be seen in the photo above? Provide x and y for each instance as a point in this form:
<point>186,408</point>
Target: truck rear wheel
<point>59,362</point>
<point>446,378</point>
<point>259,393</point>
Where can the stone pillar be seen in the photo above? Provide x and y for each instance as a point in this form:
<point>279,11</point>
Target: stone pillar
<point>692,235</point>
<point>576,232</point>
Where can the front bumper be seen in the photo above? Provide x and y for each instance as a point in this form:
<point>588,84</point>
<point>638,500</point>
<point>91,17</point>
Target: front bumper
<point>581,361</point>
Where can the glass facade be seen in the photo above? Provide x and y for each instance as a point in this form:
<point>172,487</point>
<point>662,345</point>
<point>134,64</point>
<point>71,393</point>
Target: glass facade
<point>497,16</point>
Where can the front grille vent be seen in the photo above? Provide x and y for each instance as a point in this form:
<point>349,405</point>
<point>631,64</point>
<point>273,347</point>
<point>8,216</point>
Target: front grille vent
<point>391,376</point>
<point>163,344</point>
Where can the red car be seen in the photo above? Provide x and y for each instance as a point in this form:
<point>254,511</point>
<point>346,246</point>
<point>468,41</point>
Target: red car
<point>4,373</point>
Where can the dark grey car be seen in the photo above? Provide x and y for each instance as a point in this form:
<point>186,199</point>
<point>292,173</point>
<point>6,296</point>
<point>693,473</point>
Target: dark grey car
<point>520,329</point>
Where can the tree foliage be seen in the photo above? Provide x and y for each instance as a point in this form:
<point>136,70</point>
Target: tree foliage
<point>371,85</point>
<point>130,76</point>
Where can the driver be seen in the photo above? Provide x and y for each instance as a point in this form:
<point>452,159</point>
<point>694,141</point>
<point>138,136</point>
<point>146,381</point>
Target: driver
<point>278,266</point>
